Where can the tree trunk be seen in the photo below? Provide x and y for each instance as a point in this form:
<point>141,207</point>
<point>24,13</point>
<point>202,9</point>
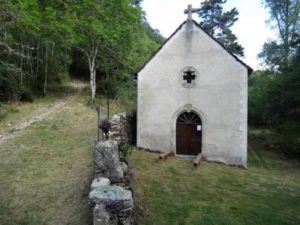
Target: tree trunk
<point>37,59</point>
<point>92,66</point>
<point>46,70</point>
<point>21,79</point>
<point>107,93</point>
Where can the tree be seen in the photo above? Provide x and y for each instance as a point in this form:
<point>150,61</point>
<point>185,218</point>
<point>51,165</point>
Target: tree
<point>218,23</point>
<point>274,102</point>
<point>286,15</point>
<point>38,37</point>
<point>103,28</point>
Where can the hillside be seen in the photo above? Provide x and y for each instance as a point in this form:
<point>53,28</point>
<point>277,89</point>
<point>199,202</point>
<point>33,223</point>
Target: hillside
<point>46,170</point>
<point>46,167</point>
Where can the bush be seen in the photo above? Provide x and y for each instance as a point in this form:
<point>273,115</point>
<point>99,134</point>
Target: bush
<point>124,150</point>
<point>105,126</point>
<point>289,139</point>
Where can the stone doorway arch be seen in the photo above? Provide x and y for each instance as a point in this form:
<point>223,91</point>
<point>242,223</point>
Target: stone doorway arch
<point>188,134</point>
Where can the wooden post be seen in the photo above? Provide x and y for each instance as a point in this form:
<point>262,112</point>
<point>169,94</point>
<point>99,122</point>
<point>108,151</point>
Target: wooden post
<point>164,156</point>
<point>197,160</point>
<point>98,122</point>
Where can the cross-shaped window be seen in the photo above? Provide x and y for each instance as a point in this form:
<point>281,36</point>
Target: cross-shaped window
<point>189,75</point>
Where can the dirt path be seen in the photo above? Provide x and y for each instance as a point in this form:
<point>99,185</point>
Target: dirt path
<point>44,112</point>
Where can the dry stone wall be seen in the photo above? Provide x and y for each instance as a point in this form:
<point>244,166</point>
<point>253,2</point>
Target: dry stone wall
<point>119,129</point>
<point>110,196</point>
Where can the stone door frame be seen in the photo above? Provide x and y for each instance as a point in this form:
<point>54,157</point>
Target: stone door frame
<point>187,108</point>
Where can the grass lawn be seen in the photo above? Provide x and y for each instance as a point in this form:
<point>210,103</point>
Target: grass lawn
<point>267,193</point>
<point>46,169</point>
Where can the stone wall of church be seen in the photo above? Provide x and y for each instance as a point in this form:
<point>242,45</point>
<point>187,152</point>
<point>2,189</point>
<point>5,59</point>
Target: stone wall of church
<point>218,95</point>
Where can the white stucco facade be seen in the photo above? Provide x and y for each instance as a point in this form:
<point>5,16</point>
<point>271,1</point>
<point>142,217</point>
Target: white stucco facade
<point>218,96</point>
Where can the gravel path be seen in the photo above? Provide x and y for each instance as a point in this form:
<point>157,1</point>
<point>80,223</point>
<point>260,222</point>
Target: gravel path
<point>42,113</point>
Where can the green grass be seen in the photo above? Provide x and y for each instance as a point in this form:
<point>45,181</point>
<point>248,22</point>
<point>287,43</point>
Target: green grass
<point>15,112</point>
<point>46,171</point>
<point>6,109</point>
<point>268,192</point>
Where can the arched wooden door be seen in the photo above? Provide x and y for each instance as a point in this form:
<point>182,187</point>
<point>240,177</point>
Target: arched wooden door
<point>188,134</point>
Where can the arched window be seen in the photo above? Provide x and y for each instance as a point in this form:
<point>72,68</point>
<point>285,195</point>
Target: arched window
<point>188,118</point>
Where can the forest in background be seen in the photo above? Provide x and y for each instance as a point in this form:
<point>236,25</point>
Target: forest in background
<point>43,43</point>
<point>274,93</point>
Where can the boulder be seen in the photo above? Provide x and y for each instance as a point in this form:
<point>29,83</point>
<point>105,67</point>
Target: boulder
<point>124,167</point>
<point>107,162</point>
<point>102,217</point>
<point>99,182</point>
<point>115,198</point>
<point>115,119</point>
<point>125,218</point>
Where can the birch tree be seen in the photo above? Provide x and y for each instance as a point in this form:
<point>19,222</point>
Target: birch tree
<point>101,24</point>
<point>88,33</point>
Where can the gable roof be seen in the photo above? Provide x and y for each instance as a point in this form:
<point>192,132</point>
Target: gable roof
<point>250,70</point>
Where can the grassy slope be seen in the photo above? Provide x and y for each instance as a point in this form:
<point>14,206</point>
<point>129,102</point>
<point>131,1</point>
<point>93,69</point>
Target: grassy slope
<point>46,169</point>
<point>268,192</point>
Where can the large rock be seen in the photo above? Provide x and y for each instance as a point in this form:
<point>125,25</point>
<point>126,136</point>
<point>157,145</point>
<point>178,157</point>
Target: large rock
<point>118,130</point>
<point>102,217</point>
<point>99,182</point>
<point>124,167</point>
<point>107,162</point>
<point>115,198</point>
<point>125,218</point>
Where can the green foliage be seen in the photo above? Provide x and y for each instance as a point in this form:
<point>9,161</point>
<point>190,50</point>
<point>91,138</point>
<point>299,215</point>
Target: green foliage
<point>260,97</point>
<point>124,150</point>
<point>9,82</point>
<point>289,138</point>
<point>38,40</point>
<point>286,15</point>
<point>153,34</point>
<point>218,23</point>
<point>274,101</point>
<point>274,95</point>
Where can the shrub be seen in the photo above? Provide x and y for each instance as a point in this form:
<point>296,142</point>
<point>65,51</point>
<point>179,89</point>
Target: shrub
<point>124,149</point>
<point>289,139</point>
<point>105,126</point>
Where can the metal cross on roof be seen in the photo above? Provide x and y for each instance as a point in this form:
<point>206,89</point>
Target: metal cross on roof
<point>190,12</point>
<point>189,75</point>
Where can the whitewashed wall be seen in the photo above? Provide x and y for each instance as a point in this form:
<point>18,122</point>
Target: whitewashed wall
<point>219,97</point>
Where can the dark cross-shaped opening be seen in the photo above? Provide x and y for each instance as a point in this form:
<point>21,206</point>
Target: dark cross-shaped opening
<point>189,76</point>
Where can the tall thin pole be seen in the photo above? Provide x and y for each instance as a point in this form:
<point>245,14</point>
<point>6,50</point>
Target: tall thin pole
<point>98,122</point>
<point>107,93</point>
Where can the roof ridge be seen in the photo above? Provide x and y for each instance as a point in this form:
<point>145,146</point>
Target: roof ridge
<point>250,70</point>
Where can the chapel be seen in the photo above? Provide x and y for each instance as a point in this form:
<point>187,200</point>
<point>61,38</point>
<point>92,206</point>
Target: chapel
<point>192,98</point>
